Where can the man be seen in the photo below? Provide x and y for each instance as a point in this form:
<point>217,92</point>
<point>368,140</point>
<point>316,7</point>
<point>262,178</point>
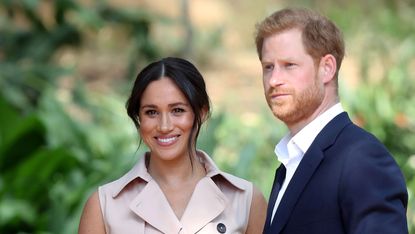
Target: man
<point>334,176</point>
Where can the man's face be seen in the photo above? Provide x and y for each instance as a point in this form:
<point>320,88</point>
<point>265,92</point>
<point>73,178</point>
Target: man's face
<point>292,86</point>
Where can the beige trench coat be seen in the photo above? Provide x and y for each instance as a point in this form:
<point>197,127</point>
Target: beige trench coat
<point>135,204</point>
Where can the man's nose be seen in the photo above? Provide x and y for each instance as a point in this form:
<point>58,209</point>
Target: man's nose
<point>275,78</point>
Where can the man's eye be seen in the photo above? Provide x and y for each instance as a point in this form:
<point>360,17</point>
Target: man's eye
<point>289,65</point>
<point>268,67</point>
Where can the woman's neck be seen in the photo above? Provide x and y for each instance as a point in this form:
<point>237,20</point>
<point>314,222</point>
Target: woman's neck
<point>176,172</point>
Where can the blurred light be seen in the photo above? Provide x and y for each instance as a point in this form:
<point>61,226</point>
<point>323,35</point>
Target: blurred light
<point>411,161</point>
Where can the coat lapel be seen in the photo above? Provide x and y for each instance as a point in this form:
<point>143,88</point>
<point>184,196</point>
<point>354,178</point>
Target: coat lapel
<point>152,206</point>
<point>206,203</point>
<point>308,165</point>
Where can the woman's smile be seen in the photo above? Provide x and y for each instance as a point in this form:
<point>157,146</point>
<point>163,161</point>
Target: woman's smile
<point>167,140</point>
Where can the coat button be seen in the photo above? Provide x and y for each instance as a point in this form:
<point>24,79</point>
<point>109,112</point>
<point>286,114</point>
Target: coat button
<point>221,228</point>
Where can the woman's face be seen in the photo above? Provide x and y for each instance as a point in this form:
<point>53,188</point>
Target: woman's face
<point>166,120</point>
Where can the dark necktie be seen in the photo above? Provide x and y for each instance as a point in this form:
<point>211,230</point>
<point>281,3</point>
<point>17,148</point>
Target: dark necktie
<point>278,180</point>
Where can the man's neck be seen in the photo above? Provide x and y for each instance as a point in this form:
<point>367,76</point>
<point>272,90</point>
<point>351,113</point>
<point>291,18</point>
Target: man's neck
<point>296,127</point>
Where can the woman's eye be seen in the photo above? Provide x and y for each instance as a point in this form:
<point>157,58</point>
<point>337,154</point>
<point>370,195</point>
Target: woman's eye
<point>178,110</point>
<point>151,112</point>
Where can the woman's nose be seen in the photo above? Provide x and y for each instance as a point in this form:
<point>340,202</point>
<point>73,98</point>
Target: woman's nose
<point>165,123</point>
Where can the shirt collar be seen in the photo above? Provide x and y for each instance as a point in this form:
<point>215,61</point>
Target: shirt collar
<point>291,147</point>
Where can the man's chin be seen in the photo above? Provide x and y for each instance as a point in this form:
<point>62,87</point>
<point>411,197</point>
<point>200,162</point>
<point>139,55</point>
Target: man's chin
<point>284,116</point>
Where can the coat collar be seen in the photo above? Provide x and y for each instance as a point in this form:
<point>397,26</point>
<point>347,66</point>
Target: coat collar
<point>140,171</point>
<point>310,162</point>
<point>205,204</point>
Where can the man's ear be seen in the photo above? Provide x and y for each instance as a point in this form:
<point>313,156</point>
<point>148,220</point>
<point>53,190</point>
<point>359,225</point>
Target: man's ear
<point>327,68</point>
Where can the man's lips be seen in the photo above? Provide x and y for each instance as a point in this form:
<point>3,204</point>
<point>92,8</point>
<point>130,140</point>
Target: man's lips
<point>279,95</point>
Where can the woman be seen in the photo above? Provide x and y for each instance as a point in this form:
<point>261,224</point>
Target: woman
<point>174,188</point>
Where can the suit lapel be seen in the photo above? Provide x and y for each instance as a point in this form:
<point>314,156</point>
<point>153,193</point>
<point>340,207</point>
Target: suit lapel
<point>308,165</point>
<point>297,184</point>
<point>273,196</point>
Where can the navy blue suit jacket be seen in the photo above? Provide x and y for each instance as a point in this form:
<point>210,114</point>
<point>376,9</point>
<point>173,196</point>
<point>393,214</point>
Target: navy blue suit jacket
<point>347,182</point>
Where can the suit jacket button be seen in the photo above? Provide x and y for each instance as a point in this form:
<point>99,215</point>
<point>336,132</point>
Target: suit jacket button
<point>221,228</point>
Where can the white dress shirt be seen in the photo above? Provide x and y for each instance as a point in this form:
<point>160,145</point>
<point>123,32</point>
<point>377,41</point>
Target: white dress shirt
<point>290,150</point>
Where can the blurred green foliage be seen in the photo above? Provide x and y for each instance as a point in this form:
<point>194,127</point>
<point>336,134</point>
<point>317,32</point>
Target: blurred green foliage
<point>50,159</point>
<point>58,144</point>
